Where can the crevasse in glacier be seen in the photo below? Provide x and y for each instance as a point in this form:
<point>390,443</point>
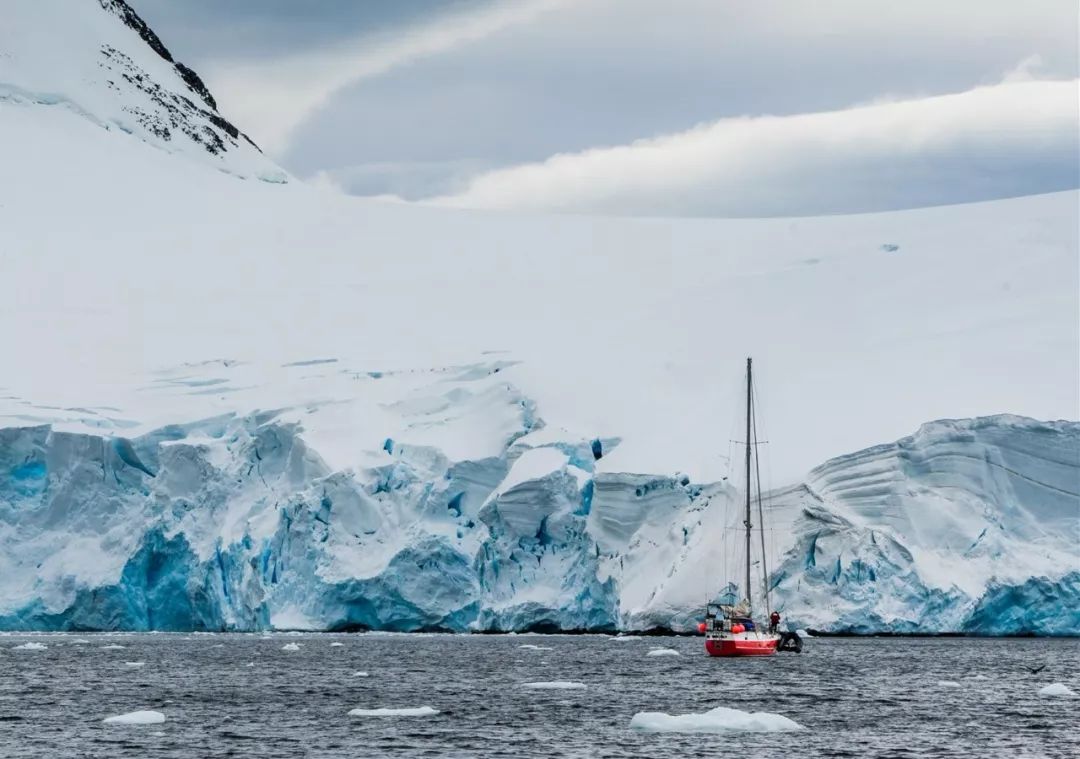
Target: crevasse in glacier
<point>236,523</point>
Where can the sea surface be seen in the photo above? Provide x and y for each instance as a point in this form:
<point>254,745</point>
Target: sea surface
<point>244,696</point>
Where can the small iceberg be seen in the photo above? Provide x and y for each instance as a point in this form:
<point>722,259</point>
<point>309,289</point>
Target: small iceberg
<point>1056,689</point>
<point>803,633</point>
<point>555,685</point>
<point>336,644</point>
<point>112,647</point>
<point>663,652</point>
<point>360,674</point>
<point>718,720</point>
<point>136,718</point>
<point>416,711</point>
<point>621,638</point>
<point>948,684</point>
<point>533,647</point>
<point>134,664</point>
<point>31,646</point>
<point>291,647</point>
<point>79,642</point>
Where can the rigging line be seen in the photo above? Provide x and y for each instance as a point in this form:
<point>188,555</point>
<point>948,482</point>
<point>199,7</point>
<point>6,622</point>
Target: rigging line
<point>761,516</point>
<point>749,453</point>
<point>769,496</point>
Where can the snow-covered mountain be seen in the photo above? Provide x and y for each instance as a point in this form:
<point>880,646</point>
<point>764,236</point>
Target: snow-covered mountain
<point>99,59</point>
<point>233,403</point>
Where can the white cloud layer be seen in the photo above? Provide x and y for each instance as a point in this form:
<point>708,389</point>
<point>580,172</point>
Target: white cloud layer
<point>271,98</point>
<point>1013,138</point>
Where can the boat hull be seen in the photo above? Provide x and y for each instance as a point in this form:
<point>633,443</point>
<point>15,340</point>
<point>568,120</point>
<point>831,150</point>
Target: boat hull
<point>765,646</point>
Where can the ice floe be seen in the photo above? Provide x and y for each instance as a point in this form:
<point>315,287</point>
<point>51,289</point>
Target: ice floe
<point>533,647</point>
<point>416,711</point>
<point>79,642</point>
<point>135,664</point>
<point>948,684</point>
<point>1056,689</point>
<point>360,674</point>
<point>31,646</point>
<point>718,720</point>
<point>336,644</point>
<point>555,685</point>
<point>621,638</point>
<point>136,718</point>
<point>663,652</point>
<point>291,647</point>
<point>113,647</point>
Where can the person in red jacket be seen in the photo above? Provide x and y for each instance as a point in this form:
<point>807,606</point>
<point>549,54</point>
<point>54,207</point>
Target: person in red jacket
<point>774,621</point>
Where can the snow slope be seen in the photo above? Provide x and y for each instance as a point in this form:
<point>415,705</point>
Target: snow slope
<point>240,404</point>
<point>98,59</point>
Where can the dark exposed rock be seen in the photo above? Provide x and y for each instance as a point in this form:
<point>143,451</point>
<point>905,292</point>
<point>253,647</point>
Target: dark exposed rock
<point>192,80</point>
<point>134,21</point>
<point>177,112</point>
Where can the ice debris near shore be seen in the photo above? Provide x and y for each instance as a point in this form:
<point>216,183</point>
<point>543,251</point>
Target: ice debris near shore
<point>555,685</point>
<point>1056,689</point>
<point>718,720</point>
<point>136,718</point>
<point>30,646</point>
<point>418,711</point>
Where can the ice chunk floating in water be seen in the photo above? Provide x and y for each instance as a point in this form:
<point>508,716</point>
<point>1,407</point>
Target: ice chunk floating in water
<point>718,720</point>
<point>31,646</point>
<point>359,674</point>
<point>291,647</point>
<point>336,644</point>
<point>555,685</point>
<point>948,684</point>
<point>533,647</point>
<point>418,711</point>
<point>136,718</point>
<point>663,652</point>
<point>1056,689</point>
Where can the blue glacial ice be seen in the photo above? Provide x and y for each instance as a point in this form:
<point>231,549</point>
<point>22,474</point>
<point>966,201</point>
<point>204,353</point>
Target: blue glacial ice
<point>236,523</point>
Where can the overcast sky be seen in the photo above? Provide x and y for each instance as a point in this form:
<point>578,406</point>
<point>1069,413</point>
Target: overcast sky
<point>685,107</point>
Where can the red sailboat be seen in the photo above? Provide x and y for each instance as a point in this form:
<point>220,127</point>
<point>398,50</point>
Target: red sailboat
<point>730,627</point>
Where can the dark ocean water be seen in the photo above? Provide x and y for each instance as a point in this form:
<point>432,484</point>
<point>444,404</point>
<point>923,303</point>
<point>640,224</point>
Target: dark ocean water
<point>243,696</point>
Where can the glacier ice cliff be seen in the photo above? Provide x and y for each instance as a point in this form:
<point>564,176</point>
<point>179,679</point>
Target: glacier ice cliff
<point>237,523</point>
